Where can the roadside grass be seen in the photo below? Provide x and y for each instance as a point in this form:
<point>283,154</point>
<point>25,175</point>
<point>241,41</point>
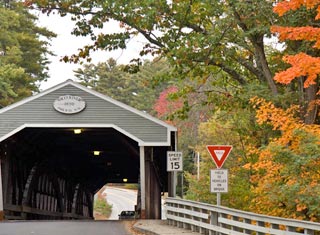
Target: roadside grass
<point>102,207</point>
<point>102,210</point>
<point>131,186</point>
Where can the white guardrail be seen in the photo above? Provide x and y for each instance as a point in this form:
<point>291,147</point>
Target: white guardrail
<point>215,220</point>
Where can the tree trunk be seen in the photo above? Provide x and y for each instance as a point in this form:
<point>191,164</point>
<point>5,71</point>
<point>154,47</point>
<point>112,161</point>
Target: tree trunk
<point>310,107</point>
<point>263,64</point>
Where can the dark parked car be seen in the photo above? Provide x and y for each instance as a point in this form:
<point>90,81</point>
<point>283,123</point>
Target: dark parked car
<point>127,215</point>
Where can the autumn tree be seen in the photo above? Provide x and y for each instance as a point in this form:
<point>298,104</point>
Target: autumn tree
<point>304,67</point>
<point>23,55</point>
<point>286,179</point>
<point>285,176</point>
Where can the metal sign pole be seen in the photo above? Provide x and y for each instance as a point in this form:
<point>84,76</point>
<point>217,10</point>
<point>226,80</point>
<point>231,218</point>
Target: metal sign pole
<point>218,199</point>
<point>198,166</point>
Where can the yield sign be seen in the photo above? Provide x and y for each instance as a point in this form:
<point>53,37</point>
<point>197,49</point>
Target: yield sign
<point>219,153</point>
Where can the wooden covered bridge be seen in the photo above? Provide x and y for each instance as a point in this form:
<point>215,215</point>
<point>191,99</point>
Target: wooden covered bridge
<point>59,147</point>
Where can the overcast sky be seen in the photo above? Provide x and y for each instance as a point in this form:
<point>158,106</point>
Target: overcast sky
<point>67,44</point>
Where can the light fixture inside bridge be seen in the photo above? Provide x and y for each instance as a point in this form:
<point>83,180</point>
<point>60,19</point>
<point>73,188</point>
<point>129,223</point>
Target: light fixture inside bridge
<point>77,131</point>
<point>96,153</point>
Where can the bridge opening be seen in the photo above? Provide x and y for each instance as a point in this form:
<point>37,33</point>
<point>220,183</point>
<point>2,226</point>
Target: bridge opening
<point>48,159</point>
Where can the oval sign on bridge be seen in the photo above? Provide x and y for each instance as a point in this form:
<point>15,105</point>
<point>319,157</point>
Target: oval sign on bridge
<point>69,104</point>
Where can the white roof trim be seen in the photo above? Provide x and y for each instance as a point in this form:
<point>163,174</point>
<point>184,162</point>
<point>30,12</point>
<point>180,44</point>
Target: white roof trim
<point>75,125</point>
<point>104,97</point>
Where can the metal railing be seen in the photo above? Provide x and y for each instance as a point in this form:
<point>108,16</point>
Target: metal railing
<point>213,220</point>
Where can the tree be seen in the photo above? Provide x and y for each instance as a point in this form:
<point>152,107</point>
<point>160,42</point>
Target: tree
<point>239,129</point>
<point>198,37</point>
<point>286,175</point>
<point>164,106</point>
<point>304,64</point>
<point>137,90</point>
<point>23,61</point>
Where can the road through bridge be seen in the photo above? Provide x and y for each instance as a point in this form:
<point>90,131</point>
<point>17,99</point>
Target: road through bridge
<point>59,147</point>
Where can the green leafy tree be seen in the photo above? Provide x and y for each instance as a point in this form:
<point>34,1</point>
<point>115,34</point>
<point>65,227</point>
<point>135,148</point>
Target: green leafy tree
<point>23,62</point>
<point>137,90</point>
<point>197,37</point>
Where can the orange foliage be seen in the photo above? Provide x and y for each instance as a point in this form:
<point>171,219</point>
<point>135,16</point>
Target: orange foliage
<point>283,120</point>
<point>302,65</point>
<point>281,189</point>
<point>307,33</point>
<point>283,7</point>
<point>286,176</point>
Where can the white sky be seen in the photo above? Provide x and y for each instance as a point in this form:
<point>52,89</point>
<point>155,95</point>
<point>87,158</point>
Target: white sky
<point>67,44</point>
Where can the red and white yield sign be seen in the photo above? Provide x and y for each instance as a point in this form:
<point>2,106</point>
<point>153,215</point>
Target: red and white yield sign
<point>219,153</point>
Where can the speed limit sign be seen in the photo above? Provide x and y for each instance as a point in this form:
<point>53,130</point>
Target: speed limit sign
<point>174,161</point>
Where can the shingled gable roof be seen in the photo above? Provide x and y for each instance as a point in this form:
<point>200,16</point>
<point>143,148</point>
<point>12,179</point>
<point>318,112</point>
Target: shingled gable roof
<point>101,111</point>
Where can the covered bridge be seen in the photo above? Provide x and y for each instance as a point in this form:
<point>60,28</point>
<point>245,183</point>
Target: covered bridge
<point>59,147</point>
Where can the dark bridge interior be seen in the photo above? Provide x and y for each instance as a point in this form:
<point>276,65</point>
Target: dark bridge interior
<point>53,173</point>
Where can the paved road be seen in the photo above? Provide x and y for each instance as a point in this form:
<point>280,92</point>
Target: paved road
<point>121,200</point>
<point>65,228</point>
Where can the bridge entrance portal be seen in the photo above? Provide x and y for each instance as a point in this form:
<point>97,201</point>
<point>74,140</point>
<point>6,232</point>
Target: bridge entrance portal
<point>53,162</point>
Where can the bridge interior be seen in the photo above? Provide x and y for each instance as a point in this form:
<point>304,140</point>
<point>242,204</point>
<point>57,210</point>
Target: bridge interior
<point>53,173</point>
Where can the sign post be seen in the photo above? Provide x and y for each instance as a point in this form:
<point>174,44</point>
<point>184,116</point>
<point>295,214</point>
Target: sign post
<point>219,177</point>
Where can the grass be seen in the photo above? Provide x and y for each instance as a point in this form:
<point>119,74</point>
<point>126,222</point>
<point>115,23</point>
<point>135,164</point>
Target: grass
<point>102,207</point>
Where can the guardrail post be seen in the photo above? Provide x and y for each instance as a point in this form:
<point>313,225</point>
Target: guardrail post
<point>214,221</point>
<point>186,216</point>
<point>193,227</point>
<point>180,223</point>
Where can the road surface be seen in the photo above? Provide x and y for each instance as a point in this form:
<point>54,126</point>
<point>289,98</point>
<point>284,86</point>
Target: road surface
<point>121,200</point>
<point>65,228</point>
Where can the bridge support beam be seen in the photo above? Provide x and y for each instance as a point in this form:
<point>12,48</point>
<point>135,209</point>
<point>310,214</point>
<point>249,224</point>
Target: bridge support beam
<point>153,185</point>
<point>150,185</point>
<point>142,183</point>
<point>1,196</point>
